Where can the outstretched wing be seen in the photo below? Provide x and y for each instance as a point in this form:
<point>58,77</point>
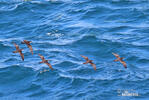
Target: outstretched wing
<point>42,57</point>
<point>124,64</point>
<point>27,42</point>
<point>17,47</point>
<point>22,55</point>
<point>94,66</point>
<point>50,66</point>
<point>86,58</point>
<point>116,55</point>
<point>31,49</point>
<point>116,60</point>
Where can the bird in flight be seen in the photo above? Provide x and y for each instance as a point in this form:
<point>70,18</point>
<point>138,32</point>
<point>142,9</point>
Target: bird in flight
<point>120,59</point>
<point>45,61</point>
<point>18,50</point>
<point>89,61</point>
<point>28,44</point>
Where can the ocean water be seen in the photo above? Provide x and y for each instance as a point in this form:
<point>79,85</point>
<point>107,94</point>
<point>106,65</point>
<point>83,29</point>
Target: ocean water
<point>62,30</point>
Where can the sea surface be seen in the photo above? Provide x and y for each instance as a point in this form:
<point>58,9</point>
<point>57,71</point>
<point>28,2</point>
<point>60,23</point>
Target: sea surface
<point>61,31</point>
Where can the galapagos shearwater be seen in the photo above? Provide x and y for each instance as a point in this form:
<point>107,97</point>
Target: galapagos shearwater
<point>45,61</point>
<point>18,50</point>
<point>28,44</point>
<point>89,61</point>
<point>120,59</point>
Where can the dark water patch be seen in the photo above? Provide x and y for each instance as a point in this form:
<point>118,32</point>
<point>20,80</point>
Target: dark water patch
<point>38,94</point>
<point>94,28</point>
<point>143,61</point>
<point>66,65</point>
<point>95,12</point>
<point>3,47</point>
<point>15,73</point>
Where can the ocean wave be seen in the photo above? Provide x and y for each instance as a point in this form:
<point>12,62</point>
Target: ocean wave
<point>4,46</point>
<point>8,76</point>
<point>61,31</point>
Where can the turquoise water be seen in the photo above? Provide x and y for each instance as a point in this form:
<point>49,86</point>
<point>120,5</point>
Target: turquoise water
<point>62,30</point>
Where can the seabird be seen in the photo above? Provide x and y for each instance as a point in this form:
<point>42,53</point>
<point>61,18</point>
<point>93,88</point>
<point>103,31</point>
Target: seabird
<point>18,51</point>
<point>28,44</point>
<point>120,59</point>
<point>45,61</point>
<point>89,61</point>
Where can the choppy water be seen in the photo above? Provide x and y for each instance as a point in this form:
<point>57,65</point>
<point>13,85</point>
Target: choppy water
<point>62,30</point>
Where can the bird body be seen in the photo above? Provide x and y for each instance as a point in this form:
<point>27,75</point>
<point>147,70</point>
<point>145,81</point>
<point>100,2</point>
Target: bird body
<point>120,59</point>
<point>28,45</point>
<point>89,61</point>
<point>45,61</point>
<point>18,50</point>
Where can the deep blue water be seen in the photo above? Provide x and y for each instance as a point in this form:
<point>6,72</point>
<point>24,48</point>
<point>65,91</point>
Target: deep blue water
<point>62,30</point>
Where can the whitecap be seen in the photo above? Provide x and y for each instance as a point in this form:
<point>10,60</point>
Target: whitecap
<point>83,24</point>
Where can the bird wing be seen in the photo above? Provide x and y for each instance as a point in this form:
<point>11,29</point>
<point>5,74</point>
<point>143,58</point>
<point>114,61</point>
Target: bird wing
<point>85,62</point>
<point>86,58</point>
<point>22,55</point>
<point>28,42</point>
<point>124,63</point>
<point>17,47</point>
<point>94,66</point>
<point>42,57</point>
<point>31,49</point>
<point>50,66</point>
<point>25,41</point>
<point>116,55</point>
<point>116,60</point>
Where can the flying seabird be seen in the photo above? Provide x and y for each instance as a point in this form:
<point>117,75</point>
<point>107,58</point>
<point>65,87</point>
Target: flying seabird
<point>45,61</point>
<point>28,44</point>
<point>18,51</point>
<point>120,59</point>
<point>89,61</point>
